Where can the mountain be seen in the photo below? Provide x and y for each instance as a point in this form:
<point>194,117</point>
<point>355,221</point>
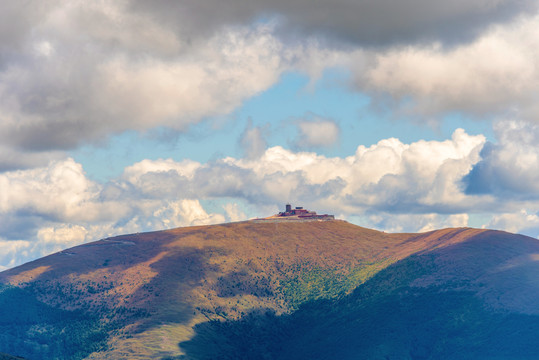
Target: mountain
<point>278,290</point>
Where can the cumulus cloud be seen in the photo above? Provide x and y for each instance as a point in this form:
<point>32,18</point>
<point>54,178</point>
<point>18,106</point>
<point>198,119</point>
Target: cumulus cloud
<point>50,208</point>
<point>59,191</point>
<point>521,221</point>
<point>318,132</point>
<point>234,213</point>
<point>390,176</point>
<point>15,253</point>
<point>414,222</point>
<point>69,98</point>
<point>508,168</point>
<point>494,75</point>
<point>183,213</point>
<point>81,71</point>
<point>390,185</point>
<point>75,72</point>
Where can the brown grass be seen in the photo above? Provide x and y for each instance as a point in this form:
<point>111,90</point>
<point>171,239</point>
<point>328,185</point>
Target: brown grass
<point>180,277</point>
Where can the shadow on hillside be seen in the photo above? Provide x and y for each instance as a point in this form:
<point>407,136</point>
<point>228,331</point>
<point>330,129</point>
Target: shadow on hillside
<point>423,325</point>
<point>168,293</point>
<point>120,252</point>
<point>41,329</point>
<point>389,318</point>
<point>32,329</point>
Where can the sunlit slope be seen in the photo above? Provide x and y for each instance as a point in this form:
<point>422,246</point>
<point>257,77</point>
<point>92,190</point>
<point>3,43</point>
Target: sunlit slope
<point>474,299</point>
<point>138,296</point>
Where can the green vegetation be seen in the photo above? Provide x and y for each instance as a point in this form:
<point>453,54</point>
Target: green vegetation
<point>322,283</point>
<point>385,318</point>
<point>34,330</point>
<point>276,291</point>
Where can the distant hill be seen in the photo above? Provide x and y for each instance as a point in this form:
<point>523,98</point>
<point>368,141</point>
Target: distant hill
<point>278,290</point>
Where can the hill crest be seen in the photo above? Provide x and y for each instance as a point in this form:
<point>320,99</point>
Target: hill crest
<point>149,286</point>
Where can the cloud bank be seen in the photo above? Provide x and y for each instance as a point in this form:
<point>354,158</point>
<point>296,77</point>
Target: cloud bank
<point>364,22</point>
<point>318,132</point>
<point>390,185</point>
<point>387,183</point>
<point>76,72</point>
<point>495,75</point>
<point>73,73</point>
<point>60,99</point>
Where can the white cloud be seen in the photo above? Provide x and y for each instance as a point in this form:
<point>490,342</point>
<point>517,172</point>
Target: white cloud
<point>46,108</point>
<point>59,191</point>
<point>184,213</point>
<point>390,185</point>
<point>495,74</point>
<point>233,212</point>
<point>434,222</point>
<point>184,168</point>
<point>181,92</point>
<point>63,235</point>
<point>521,221</point>
<point>75,72</point>
<point>47,209</point>
<point>83,71</point>
<point>15,253</point>
<point>508,169</point>
<point>389,175</point>
<point>413,222</point>
<point>317,132</point>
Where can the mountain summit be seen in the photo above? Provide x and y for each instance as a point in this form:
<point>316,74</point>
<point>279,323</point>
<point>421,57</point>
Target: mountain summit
<point>278,290</point>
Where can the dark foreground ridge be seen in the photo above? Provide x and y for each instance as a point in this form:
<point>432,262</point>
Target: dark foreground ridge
<point>278,290</point>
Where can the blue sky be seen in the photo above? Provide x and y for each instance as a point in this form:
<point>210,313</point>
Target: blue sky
<point>292,98</point>
<point>121,117</point>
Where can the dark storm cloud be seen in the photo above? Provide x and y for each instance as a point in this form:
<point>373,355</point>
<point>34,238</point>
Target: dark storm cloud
<point>365,22</point>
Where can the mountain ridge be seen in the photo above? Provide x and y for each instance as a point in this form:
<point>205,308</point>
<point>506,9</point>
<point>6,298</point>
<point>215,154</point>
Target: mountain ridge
<point>138,288</point>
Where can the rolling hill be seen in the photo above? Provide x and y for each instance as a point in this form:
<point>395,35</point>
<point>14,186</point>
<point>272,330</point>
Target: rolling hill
<point>278,290</point>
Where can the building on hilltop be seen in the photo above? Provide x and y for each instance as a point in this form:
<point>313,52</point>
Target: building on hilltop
<point>303,214</point>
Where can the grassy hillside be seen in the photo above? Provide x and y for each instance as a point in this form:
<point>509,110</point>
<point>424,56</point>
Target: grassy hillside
<point>193,292</point>
<point>31,327</point>
<point>468,312</point>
